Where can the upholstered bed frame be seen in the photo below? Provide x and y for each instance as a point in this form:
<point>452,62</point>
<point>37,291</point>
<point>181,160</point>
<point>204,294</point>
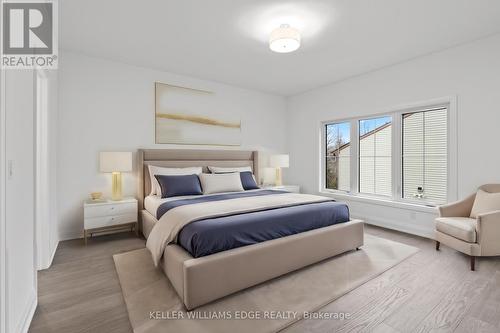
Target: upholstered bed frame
<point>202,280</point>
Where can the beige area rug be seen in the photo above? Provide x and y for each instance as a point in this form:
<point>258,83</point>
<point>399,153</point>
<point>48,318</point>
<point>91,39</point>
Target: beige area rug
<point>153,305</point>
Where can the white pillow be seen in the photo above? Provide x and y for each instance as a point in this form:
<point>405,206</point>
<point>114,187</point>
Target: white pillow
<point>214,169</point>
<point>485,202</point>
<point>222,182</point>
<point>156,170</point>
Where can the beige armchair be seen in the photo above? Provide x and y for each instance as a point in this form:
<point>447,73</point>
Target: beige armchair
<point>476,237</point>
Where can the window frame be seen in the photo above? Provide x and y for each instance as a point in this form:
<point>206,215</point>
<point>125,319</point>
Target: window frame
<point>324,161</point>
<point>358,159</point>
<point>396,114</point>
<point>401,157</point>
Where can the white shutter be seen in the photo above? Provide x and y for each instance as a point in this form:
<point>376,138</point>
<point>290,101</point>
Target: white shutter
<point>367,164</point>
<point>375,164</point>
<point>344,176</point>
<point>425,155</point>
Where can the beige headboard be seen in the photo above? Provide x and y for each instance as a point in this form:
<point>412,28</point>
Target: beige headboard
<point>178,158</point>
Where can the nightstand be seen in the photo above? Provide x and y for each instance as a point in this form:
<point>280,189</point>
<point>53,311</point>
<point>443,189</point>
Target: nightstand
<point>289,188</point>
<point>108,215</point>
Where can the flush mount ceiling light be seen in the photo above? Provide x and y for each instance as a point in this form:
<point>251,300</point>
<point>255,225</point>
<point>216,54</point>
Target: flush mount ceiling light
<point>284,39</point>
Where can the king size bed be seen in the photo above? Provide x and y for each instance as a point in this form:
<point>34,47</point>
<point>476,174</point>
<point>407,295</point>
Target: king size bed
<point>211,245</point>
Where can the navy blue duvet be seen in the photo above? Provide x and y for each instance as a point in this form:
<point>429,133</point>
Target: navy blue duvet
<point>209,236</point>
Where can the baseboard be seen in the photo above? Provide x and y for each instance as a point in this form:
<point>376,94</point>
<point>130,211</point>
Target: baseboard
<point>24,325</point>
<point>51,259</point>
<point>53,254</point>
<point>70,234</point>
<point>403,227</point>
<point>47,263</point>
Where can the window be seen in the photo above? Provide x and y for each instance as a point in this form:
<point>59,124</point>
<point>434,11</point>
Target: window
<point>338,156</point>
<point>403,155</point>
<point>425,155</point>
<point>375,151</point>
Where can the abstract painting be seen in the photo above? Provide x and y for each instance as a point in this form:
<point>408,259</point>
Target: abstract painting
<point>191,116</point>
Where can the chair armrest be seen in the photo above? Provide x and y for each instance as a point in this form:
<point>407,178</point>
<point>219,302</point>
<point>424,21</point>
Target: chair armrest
<point>460,208</point>
<point>488,232</point>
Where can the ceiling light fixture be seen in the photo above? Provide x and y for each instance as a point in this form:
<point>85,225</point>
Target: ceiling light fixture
<point>284,39</point>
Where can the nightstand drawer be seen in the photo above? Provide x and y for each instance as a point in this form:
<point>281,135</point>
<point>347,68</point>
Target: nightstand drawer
<point>106,221</point>
<point>110,209</point>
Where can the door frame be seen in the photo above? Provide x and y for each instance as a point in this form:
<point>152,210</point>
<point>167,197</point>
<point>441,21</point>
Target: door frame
<point>42,203</point>
<point>3,244</point>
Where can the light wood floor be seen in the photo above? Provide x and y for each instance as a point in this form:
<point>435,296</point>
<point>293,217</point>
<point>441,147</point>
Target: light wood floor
<point>431,291</point>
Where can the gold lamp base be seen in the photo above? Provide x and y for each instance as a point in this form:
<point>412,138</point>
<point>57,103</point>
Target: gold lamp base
<point>116,186</point>
<point>278,181</point>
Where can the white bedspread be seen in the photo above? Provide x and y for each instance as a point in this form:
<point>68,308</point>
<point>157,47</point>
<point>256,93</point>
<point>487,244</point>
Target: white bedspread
<point>152,202</point>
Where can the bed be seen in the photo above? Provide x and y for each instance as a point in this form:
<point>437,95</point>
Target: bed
<point>225,242</point>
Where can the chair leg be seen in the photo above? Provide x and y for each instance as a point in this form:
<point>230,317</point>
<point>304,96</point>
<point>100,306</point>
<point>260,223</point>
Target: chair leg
<point>437,245</point>
<point>472,263</point>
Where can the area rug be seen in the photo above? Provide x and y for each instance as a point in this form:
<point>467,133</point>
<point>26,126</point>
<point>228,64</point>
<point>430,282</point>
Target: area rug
<point>153,305</point>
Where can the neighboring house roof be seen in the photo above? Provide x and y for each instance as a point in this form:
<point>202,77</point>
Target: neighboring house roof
<point>367,134</point>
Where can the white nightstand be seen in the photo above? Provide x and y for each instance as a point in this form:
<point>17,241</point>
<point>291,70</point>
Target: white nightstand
<point>289,188</point>
<point>105,216</point>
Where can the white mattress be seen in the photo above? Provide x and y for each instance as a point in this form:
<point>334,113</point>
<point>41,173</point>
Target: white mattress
<point>152,202</point>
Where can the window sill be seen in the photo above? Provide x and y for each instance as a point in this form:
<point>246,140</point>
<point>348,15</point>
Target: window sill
<point>381,201</point>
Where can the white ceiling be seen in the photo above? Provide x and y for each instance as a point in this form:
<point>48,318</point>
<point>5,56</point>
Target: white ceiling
<point>226,40</point>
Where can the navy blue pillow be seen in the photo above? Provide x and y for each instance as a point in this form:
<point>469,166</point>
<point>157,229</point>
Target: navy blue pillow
<point>173,186</point>
<point>248,181</point>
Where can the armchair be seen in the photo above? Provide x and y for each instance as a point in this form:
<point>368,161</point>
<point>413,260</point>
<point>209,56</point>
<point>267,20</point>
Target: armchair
<point>475,237</point>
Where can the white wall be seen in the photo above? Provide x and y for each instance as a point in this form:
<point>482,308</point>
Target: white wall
<point>20,258</point>
<point>471,72</point>
<point>105,105</point>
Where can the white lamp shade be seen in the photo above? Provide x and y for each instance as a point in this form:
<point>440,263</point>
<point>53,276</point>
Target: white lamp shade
<point>279,161</point>
<point>268,175</point>
<point>115,161</point>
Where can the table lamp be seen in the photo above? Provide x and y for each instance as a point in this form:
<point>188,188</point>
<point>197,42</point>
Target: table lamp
<point>278,162</point>
<point>116,163</point>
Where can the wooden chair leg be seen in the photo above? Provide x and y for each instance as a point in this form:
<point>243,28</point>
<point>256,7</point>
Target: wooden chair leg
<point>472,263</point>
<point>437,245</point>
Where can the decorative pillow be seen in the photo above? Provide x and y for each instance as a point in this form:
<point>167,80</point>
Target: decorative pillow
<point>173,186</point>
<point>156,170</point>
<point>248,181</point>
<point>223,182</point>
<point>247,177</point>
<point>485,202</point>
<point>214,169</point>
